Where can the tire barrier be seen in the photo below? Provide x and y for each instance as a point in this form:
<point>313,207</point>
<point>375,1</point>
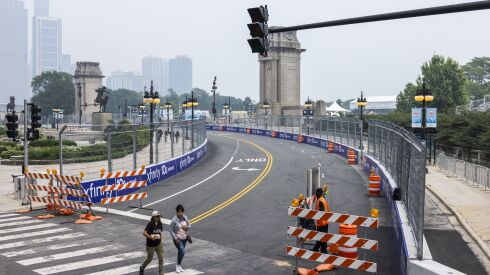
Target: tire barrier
<point>351,156</point>
<point>347,241</point>
<point>374,185</point>
<point>129,197</point>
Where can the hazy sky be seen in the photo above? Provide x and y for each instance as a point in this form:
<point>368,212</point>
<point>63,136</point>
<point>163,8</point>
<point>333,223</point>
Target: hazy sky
<point>378,58</point>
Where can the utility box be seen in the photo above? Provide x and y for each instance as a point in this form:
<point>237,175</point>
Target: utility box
<point>20,189</point>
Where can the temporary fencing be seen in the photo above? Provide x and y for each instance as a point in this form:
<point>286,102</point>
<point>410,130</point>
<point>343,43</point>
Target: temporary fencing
<point>347,241</point>
<point>464,170</point>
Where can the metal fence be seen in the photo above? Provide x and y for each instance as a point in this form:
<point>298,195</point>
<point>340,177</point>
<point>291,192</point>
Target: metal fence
<point>89,148</point>
<point>403,155</point>
<point>477,174</point>
<point>345,130</point>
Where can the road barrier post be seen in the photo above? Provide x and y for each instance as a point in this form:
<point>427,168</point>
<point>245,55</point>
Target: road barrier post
<point>134,147</point>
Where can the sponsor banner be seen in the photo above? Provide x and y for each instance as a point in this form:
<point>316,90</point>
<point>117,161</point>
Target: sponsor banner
<point>154,174</point>
<point>416,117</point>
<point>312,141</point>
<point>431,117</point>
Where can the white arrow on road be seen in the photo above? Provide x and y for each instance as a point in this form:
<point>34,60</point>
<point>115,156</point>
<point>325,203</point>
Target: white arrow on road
<point>248,169</point>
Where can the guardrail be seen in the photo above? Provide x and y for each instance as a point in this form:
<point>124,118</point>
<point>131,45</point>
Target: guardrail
<point>477,174</point>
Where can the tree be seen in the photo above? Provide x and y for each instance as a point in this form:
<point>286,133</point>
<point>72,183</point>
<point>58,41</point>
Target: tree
<point>405,99</point>
<point>119,98</point>
<point>54,90</point>
<point>445,78</point>
<point>478,69</point>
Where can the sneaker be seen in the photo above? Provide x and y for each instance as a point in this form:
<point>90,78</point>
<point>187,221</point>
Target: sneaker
<point>181,269</point>
<point>177,268</point>
<point>142,271</point>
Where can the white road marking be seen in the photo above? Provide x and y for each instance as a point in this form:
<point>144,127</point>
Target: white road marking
<point>89,263</point>
<point>51,247</point>
<point>195,185</point>
<point>246,169</point>
<point>186,272</point>
<point>129,214</point>
<point>129,269</point>
<point>18,223</point>
<point>25,228</point>
<point>33,234</point>
<point>15,219</point>
<point>8,215</point>
<point>70,254</point>
<point>43,240</point>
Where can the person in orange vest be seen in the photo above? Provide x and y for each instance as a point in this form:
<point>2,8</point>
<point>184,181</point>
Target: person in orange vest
<point>321,225</point>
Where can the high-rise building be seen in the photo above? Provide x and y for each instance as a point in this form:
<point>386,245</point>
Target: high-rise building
<point>46,40</point>
<point>180,73</point>
<point>156,69</point>
<point>126,80</point>
<point>13,51</point>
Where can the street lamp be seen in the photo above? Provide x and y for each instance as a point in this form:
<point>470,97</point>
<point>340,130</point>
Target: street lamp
<point>184,108</point>
<point>151,98</point>
<point>361,104</point>
<point>168,106</point>
<point>226,107</point>
<point>266,106</point>
<point>308,105</point>
<point>423,96</point>
<point>192,102</point>
<point>79,85</point>
<point>213,110</point>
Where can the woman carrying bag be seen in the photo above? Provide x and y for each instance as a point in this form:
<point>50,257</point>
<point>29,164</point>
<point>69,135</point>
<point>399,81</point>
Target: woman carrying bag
<point>179,230</point>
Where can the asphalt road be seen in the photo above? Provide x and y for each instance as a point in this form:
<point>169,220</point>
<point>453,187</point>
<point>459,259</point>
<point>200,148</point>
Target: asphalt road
<point>237,199</point>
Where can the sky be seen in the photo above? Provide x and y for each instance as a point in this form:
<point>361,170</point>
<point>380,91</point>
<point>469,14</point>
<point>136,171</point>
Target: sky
<point>377,58</point>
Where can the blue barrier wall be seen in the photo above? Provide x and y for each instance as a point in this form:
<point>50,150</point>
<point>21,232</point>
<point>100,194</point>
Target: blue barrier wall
<point>154,173</point>
<point>341,149</point>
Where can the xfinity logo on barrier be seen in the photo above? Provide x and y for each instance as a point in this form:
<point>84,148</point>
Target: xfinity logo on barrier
<point>186,161</point>
<point>311,140</point>
<point>199,153</point>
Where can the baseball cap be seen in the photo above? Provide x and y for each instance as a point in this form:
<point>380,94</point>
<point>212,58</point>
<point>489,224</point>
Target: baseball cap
<point>155,214</point>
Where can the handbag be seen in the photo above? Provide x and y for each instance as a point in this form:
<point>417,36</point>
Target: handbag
<point>189,238</point>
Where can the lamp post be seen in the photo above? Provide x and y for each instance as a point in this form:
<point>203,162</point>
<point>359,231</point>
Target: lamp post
<point>423,96</point>
<point>361,103</point>
<point>152,99</point>
<point>80,102</point>
<point>226,107</point>
<point>229,111</point>
<point>266,106</point>
<point>192,102</point>
<point>213,110</point>
<point>184,108</point>
<point>308,105</point>
<point>168,106</point>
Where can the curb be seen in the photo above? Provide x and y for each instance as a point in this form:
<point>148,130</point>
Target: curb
<point>466,226</point>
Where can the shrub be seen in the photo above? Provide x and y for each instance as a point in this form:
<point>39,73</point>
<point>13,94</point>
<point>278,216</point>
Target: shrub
<point>51,143</point>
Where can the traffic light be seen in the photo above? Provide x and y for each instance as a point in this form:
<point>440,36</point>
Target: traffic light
<point>35,122</point>
<point>12,125</point>
<point>259,30</point>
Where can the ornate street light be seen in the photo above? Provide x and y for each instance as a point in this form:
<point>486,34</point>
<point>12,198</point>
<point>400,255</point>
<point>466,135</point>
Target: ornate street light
<point>266,106</point>
<point>192,103</point>
<point>226,107</point>
<point>308,104</point>
<point>213,110</point>
<point>423,95</point>
<point>151,98</point>
<point>361,104</point>
<point>167,107</point>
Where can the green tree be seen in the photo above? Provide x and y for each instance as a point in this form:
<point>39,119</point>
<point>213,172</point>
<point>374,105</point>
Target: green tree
<point>447,82</point>
<point>478,69</point>
<point>54,90</point>
<point>119,98</point>
<point>405,100</point>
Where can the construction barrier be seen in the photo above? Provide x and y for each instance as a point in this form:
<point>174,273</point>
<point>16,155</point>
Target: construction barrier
<point>273,134</point>
<point>351,156</point>
<point>331,259</point>
<point>123,174</point>
<point>68,180</point>
<point>374,188</point>
<point>56,202</point>
<point>330,147</point>
<point>129,197</point>
<point>347,241</point>
<point>300,139</point>
<point>121,186</point>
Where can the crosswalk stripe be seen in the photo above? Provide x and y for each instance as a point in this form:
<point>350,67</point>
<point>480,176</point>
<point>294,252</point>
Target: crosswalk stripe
<point>25,228</point>
<point>88,263</point>
<point>42,249</point>
<point>186,272</point>
<point>8,215</point>
<point>18,223</point>
<point>128,269</point>
<point>33,234</point>
<point>66,255</point>
<point>40,241</point>
<point>15,219</point>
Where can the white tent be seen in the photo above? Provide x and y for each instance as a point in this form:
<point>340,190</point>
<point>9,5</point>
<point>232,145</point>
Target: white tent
<point>336,108</point>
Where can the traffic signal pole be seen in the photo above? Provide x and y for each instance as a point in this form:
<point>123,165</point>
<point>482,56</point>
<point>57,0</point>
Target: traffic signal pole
<point>26,140</point>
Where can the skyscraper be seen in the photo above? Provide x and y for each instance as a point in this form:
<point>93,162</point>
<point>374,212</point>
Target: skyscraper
<point>180,72</point>
<point>46,40</point>
<point>13,51</point>
<point>156,69</point>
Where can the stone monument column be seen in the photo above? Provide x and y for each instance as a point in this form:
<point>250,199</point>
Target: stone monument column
<point>87,78</point>
<point>280,74</point>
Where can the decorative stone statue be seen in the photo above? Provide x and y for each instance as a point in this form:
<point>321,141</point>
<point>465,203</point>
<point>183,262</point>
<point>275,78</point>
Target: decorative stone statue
<point>101,99</point>
<point>11,105</point>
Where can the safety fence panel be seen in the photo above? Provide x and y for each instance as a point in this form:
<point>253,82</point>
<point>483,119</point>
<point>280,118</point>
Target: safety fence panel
<point>478,175</point>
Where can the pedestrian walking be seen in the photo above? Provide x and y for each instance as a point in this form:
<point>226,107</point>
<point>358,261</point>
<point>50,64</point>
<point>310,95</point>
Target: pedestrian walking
<point>177,135</point>
<point>321,225</point>
<point>179,230</point>
<point>153,235</point>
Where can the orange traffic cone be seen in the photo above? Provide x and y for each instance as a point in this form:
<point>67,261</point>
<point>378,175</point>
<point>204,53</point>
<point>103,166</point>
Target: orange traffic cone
<point>305,271</point>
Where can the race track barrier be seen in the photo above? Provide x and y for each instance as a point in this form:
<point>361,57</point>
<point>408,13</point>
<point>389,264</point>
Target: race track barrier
<point>109,188</point>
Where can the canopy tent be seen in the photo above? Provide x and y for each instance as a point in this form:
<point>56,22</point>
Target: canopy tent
<point>336,108</point>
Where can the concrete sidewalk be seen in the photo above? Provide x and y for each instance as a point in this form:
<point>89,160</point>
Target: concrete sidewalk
<point>470,204</point>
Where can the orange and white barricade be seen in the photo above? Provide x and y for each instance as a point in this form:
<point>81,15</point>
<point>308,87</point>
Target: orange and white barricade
<point>122,174</point>
<point>300,138</point>
<point>374,188</point>
<point>330,147</point>
<point>351,156</point>
<point>347,241</point>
